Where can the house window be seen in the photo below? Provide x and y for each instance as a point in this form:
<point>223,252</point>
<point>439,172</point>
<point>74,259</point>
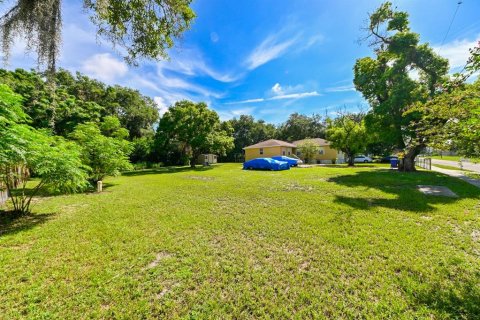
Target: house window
<point>320,151</point>
<point>261,150</point>
<point>288,152</point>
<point>283,152</point>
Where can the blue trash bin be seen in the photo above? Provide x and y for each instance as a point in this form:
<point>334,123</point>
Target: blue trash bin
<point>393,163</point>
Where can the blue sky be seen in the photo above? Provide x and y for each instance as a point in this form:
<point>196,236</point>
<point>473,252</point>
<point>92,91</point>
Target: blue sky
<point>267,58</point>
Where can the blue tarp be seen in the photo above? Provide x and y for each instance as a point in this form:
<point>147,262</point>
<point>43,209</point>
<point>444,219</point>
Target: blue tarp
<point>291,161</point>
<point>266,164</point>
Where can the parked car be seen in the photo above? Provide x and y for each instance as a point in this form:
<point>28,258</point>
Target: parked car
<point>294,156</point>
<point>387,159</point>
<point>291,161</point>
<point>362,159</point>
<point>265,164</point>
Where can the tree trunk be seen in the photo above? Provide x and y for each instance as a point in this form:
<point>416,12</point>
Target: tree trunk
<point>408,164</point>
<point>193,160</point>
<point>351,162</point>
<point>351,158</point>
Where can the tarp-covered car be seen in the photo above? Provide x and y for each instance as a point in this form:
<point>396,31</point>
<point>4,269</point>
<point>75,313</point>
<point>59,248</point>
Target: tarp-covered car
<point>291,161</point>
<point>265,164</point>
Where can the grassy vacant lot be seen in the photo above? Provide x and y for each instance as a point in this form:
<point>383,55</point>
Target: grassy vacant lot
<point>225,243</point>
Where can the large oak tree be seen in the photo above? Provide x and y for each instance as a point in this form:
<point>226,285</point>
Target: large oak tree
<point>387,80</point>
<point>194,129</point>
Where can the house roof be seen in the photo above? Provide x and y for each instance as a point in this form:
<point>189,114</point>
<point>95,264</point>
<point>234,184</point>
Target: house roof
<point>317,141</point>
<point>271,143</point>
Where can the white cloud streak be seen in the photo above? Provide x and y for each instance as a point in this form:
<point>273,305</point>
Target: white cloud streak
<point>299,95</point>
<point>340,89</point>
<point>269,49</point>
<point>190,62</point>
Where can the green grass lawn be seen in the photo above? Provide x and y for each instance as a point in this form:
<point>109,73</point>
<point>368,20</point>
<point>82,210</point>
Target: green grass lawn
<point>220,243</point>
<point>452,158</point>
<point>448,167</point>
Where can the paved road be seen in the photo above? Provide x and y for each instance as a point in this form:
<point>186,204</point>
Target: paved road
<point>457,174</point>
<point>466,165</point>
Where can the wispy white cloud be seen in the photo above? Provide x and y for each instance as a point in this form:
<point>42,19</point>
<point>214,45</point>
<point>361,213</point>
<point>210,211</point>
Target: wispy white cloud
<point>457,51</point>
<point>315,39</point>
<point>295,95</point>
<point>298,95</point>
<point>170,89</point>
<point>105,67</point>
<point>248,101</point>
<point>192,63</point>
<point>340,89</point>
<point>278,89</point>
<point>229,114</point>
<point>214,37</point>
<point>177,84</point>
<point>269,49</point>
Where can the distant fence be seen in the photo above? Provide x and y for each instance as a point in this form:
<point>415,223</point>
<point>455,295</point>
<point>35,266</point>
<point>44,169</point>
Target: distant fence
<point>425,163</point>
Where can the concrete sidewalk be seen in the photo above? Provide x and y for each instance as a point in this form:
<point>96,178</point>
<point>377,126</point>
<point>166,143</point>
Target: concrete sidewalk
<point>466,165</point>
<point>457,174</point>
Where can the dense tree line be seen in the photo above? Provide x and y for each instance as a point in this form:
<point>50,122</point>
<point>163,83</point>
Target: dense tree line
<point>73,99</point>
<point>69,100</point>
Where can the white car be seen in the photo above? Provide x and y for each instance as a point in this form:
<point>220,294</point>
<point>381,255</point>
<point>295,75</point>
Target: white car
<point>362,159</point>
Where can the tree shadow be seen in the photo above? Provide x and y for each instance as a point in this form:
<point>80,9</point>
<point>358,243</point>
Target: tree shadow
<point>167,170</point>
<point>456,299</point>
<point>404,187</point>
<point>12,224</point>
<point>357,165</point>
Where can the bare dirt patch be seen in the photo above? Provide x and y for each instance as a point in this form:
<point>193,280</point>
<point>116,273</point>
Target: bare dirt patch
<point>158,258</point>
<point>476,235</point>
<point>200,178</point>
<point>297,187</point>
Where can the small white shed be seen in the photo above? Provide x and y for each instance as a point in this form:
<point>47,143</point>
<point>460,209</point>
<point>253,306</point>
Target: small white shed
<point>207,158</point>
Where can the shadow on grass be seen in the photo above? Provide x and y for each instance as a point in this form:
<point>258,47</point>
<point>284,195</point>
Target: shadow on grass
<point>404,187</point>
<point>454,294</point>
<point>460,302</point>
<point>11,224</point>
<point>357,165</point>
<point>167,170</point>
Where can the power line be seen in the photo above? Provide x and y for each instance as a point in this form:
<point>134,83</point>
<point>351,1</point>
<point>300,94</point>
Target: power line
<point>451,22</point>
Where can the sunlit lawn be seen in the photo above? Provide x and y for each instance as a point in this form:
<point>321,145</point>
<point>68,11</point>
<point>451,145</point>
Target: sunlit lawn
<point>225,243</point>
<point>453,158</point>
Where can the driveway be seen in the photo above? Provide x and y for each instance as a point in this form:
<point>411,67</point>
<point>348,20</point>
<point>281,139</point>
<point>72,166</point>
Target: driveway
<point>466,165</point>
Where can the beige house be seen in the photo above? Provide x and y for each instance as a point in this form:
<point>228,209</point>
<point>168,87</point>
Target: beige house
<point>269,148</point>
<point>324,154</point>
